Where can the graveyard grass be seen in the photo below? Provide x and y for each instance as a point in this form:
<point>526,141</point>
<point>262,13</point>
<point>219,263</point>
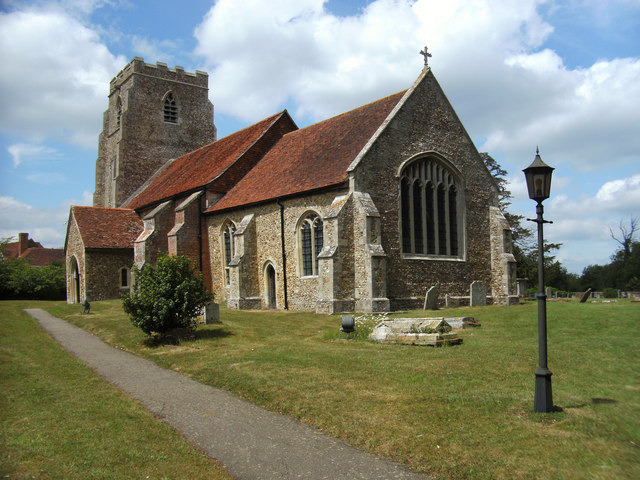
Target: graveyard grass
<point>60,420</point>
<point>453,412</point>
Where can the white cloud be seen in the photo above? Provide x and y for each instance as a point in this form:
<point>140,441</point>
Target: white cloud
<point>487,56</point>
<point>55,76</point>
<point>21,152</point>
<point>620,195</point>
<point>44,225</point>
<point>615,198</point>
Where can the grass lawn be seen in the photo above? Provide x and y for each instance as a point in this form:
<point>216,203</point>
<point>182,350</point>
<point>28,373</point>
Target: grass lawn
<point>453,412</point>
<point>60,420</point>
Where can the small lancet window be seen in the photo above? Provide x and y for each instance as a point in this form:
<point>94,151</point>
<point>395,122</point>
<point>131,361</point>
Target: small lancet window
<point>118,112</point>
<point>311,243</point>
<point>170,109</point>
<point>124,277</point>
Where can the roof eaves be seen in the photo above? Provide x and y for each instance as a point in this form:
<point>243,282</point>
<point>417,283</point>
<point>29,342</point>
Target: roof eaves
<point>386,122</point>
<point>211,210</point>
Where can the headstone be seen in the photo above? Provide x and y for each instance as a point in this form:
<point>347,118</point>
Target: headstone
<point>431,299</point>
<point>447,301</point>
<point>585,296</point>
<point>548,292</point>
<point>478,294</point>
<point>522,287</point>
<point>211,313</point>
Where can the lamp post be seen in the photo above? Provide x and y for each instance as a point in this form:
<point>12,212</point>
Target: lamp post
<point>538,176</point>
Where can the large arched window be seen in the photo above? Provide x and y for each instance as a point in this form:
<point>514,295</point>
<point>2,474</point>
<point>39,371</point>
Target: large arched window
<point>430,208</point>
<point>170,108</point>
<point>311,242</point>
<point>228,235</point>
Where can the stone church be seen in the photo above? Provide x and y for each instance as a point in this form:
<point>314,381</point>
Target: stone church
<point>360,212</point>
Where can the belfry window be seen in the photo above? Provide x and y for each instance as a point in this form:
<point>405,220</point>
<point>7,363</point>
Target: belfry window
<point>311,242</point>
<point>170,109</point>
<point>430,208</point>
<point>229,249</point>
<point>118,112</point>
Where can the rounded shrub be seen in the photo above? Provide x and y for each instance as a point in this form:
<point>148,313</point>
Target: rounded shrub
<point>166,296</point>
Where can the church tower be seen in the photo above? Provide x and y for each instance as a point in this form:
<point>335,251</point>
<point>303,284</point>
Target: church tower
<point>154,114</point>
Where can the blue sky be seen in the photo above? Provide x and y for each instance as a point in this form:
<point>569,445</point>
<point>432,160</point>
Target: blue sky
<point>561,75</point>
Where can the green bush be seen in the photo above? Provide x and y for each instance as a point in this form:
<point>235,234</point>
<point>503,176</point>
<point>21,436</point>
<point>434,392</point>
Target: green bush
<point>610,293</point>
<point>21,281</point>
<point>166,296</point>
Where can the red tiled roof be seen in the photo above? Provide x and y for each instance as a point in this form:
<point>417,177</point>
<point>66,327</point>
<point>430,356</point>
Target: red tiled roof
<point>38,256</point>
<point>200,167</point>
<point>310,158</point>
<point>107,227</point>
<point>13,248</point>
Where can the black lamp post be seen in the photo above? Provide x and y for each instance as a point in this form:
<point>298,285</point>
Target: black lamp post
<point>538,176</point>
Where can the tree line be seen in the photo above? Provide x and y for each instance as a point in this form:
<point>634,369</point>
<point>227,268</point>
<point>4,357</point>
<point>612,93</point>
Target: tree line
<point>621,273</point>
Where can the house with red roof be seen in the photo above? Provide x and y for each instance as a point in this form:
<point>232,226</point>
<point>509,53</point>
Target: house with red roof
<point>33,251</point>
<point>363,212</point>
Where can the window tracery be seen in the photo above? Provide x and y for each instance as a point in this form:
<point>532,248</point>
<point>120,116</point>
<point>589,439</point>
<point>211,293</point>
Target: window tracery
<point>170,109</point>
<point>311,241</point>
<point>229,248</point>
<point>430,208</point>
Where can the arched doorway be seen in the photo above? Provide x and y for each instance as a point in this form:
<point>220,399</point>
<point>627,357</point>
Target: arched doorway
<point>270,277</point>
<point>75,281</point>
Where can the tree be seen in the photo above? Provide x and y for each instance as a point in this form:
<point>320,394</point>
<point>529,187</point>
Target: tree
<point>166,296</point>
<point>19,280</point>
<point>626,237</point>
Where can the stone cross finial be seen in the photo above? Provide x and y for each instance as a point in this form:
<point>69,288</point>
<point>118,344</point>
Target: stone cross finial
<point>425,53</point>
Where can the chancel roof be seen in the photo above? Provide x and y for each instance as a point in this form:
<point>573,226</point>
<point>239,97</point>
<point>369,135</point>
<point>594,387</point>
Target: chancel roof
<point>201,167</point>
<point>107,227</point>
<point>310,158</point>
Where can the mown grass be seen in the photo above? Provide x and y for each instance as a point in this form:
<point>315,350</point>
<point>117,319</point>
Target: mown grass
<point>453,412</point>
<point>60,420</point>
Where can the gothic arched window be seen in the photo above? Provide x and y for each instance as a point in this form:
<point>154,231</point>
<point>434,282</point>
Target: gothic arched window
<point>228,233</point>
<point>170,109</point>
<point>430,210</point>
<point>311,242</point>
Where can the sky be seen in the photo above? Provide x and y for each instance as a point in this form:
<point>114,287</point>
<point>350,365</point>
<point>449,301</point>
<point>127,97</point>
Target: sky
<point>561,75</point>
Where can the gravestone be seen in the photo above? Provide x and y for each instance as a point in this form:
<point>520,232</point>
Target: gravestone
<point>585,296</point>
<point>211,313</point>
<point>522,286</point>
<point>548,292</point>
<point>478,294</point>
<point>431,299</point>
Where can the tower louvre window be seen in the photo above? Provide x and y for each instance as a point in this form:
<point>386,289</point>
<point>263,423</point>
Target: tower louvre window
<point>118,112</point>
<point>170,109</point>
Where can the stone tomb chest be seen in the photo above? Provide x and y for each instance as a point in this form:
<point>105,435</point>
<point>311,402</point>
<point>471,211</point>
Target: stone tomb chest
<point>415,331</point>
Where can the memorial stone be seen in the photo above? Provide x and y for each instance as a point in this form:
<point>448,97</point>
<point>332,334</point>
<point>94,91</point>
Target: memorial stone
<point>431,299</point>
<point>585,296</point>
<point>478,294</point>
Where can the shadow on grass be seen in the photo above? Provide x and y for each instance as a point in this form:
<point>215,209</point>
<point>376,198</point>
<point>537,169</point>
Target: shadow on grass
<point>184,335</point>
<point>594,401</point>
